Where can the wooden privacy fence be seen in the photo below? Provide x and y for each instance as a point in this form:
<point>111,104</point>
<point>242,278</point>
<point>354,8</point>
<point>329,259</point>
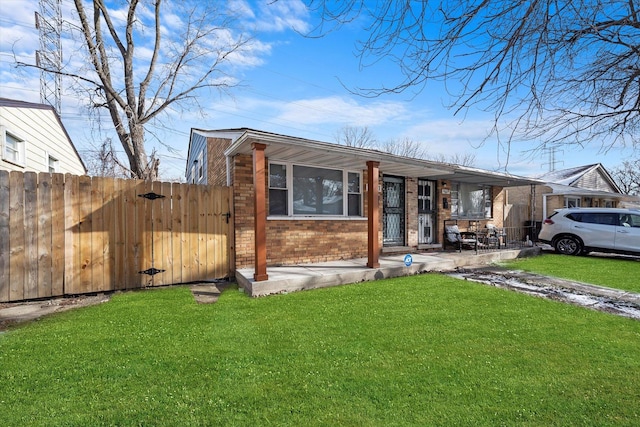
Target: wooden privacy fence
<point>65,234</point>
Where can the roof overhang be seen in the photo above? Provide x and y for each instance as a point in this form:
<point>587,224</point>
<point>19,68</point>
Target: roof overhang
<point>303,151</point>
<point>560,189</point>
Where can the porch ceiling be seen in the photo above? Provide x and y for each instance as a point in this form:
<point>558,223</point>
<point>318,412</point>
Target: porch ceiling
<point>302,151</point>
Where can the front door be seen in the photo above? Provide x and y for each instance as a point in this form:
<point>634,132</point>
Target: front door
<point>426,198</point>
<point>393,211</point>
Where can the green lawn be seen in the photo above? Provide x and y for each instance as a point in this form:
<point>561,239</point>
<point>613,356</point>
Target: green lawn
<point>422,350</point>
<point>611,272</point>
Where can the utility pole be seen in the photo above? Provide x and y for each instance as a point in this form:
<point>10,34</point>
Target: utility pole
<point>552,159</point>
<point>49,56</point>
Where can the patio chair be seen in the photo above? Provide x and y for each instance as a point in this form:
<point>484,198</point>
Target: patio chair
<point>453,237</point>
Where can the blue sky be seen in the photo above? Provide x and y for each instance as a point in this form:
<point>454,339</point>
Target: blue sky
<point>292,85</point>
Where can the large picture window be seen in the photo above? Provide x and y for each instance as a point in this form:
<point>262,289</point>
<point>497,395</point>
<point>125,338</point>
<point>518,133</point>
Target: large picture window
<point>296,190</point>
<point>471,201</point>
<point>317,191</point>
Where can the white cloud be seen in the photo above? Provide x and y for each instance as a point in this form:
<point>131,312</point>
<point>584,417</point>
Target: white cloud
<point>340,110</point>
<point>281,16</point>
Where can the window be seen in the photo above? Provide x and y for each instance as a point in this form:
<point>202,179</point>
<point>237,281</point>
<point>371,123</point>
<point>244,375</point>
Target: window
<point>317,191</point>
<point>470,201</point>
<point>13,148</point>
<point>296,190</point>
<point>595,218</point>
<point>355,195</point>
<point>200,165</point>
<point>629,220</point>
<point>278,200</point>
<point>53,164</point>
<point>572,202</point>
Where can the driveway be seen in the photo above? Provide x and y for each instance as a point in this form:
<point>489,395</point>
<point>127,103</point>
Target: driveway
<point>615,301</point>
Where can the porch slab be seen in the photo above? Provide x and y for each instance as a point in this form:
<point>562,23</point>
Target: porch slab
<point>300,277</point>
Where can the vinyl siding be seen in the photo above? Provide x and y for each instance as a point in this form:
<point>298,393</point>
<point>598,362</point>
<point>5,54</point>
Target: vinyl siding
<point>43,137</point>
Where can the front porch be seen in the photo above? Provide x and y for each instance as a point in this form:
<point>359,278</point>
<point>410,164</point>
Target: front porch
<point>300,277</point>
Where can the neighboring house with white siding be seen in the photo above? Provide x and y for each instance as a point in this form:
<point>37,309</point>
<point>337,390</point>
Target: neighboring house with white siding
<point>580,186</point>
<point>33,139</point>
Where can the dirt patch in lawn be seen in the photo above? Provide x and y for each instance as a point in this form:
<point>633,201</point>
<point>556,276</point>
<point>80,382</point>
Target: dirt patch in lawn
<point>23,311</point>
<point>615,301</point>
<point>14,313</point>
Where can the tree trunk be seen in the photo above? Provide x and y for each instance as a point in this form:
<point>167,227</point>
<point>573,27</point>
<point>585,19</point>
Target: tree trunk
<point>141,166</point>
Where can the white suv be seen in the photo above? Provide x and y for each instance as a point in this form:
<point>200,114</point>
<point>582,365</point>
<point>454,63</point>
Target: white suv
<point>577,231</point>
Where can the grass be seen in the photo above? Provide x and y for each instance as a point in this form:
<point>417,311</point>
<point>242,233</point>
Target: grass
<point>614,273</point>
<point>420,350</point>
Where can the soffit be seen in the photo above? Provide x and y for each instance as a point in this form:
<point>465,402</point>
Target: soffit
<point>302,151</point>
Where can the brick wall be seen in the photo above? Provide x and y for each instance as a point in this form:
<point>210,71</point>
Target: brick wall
<point>411,214</point>
<point>292,241</point>
<point>243,210</point>
<point>306,241</point>
<point>498,196</point>
<point>216,161</point>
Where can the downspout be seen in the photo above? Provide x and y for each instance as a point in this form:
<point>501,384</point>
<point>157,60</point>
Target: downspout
<point>228,161</point>
<point>544,206</point>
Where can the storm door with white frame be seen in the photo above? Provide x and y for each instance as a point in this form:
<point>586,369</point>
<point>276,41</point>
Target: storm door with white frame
<point>393,213</point>
<point>426,211</point>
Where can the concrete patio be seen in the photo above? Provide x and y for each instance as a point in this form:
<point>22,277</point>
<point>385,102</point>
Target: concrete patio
<point>292,278</point>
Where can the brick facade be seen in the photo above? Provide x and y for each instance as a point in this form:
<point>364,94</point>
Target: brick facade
<point>307,241</point>
<point>411,198</point>
<point>291,241</point>
<point>216,161</point>
<point>498,198</point>
<point>242,177</point>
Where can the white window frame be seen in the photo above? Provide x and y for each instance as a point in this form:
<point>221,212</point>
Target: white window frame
<point>349,193</point>
<point>20,150</point>
<point>487,201</point>
<point>200,167</point>
<point>577,201</point>
<point>345,196</point>
<point>53,164</point>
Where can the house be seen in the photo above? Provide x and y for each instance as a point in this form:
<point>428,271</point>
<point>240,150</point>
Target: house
<point>581,186</point>
<point>33,139</point>
<point>297,200</point>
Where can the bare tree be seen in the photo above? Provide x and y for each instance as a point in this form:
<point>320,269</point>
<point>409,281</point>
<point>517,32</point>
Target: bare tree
<point>136,83</point>
<point>363,137</point>
<point>354,136</point>
<point>557,72</point>
<point>627,176</point>
<point>405,147</point>
<point>464,159</point>
<point>104,162</point>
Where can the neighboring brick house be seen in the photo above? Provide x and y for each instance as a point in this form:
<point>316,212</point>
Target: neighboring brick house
<point>33,139</point>
<point>581,186</point>
<point>321,202</point>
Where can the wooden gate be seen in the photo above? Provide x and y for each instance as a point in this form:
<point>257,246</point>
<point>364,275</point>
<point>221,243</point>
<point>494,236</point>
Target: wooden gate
<point>66,235</point>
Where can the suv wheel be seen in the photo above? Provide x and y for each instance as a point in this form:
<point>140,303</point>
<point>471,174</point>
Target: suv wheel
<point>567,245</point>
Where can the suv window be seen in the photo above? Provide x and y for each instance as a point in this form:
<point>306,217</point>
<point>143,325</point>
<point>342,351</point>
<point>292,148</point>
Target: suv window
<point>600,218</point>
<point>629,220</point>
<point>604,218</point>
